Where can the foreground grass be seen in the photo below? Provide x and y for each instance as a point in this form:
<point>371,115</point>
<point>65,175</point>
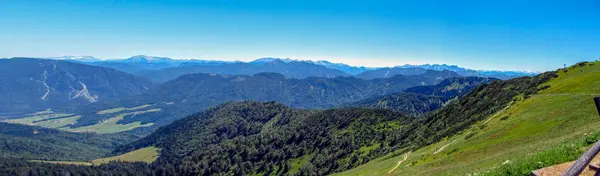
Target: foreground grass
<point>532,133</point>
<point>569,151</point>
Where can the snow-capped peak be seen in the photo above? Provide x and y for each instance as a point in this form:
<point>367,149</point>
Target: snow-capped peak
<point>144,58</point>
<point>271,59</point>
<point>76,58</point>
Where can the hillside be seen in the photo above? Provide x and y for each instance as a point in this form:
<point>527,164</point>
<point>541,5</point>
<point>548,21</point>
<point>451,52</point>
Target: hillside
<point>551,127</point>
<point>422,99</point>
<point>16,166</point>
<point>30,142</point>
<point>32,85</point>
<point>406,102</point>
<point>272,139</point>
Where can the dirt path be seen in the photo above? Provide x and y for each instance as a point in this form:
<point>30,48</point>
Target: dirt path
<point>498,113</point>
<point>569,94</point>
<point>400,162</point>
<point>442,148</point>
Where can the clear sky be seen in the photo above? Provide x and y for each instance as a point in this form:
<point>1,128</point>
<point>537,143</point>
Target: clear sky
<point>480,34</point>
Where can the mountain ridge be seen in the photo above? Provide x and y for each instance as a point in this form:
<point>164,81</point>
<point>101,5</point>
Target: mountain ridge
<point>348,69</point>
<point>191,93</point>
<point>29,85</point>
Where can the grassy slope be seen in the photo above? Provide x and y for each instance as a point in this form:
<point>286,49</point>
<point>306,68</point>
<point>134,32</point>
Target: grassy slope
<point>562,113</point>
<point>147,155</point>
<point>111,125</point>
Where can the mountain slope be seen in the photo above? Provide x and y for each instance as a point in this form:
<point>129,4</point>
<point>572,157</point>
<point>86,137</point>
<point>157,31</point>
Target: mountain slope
<point>30,85</point>
<point>410,103</point>
<point>30,142</point>
<point>554,126</point>
<point>195,92</point>
<point>124,67</point>
<point>421,99</point>
<point>451,87</point>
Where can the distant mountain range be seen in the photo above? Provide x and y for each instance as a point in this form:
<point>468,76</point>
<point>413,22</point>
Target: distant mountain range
<point>30,85</point>
<point>83,86</point>
<point>195,92</point>
<point>162,69</point>
<point>288,69</point>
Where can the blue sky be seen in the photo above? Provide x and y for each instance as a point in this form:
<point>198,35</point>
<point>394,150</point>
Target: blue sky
<point>504,35</point>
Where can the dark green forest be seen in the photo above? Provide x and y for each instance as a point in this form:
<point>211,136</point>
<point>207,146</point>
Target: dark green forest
<point>20,167</point>
<point>38,143</point>
<point>419,100</point>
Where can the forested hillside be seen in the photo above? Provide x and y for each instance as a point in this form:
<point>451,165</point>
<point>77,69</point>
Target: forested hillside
<point>22,141</point>
<point>273,139</point>
<point>475,106</point>
<point>407,102</point>
<point>419,100</point>
<point>16,166</point>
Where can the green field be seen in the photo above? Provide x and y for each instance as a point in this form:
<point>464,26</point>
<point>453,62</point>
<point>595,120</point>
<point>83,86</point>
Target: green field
<point>111,126</point>
<point>50,119</point>
<point>531,133</point>
<point>46,119</point>
<point>147,155</point>
<point>119,109</point>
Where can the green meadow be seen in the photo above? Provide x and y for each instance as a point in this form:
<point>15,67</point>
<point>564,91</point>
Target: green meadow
<point>147,155</point>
